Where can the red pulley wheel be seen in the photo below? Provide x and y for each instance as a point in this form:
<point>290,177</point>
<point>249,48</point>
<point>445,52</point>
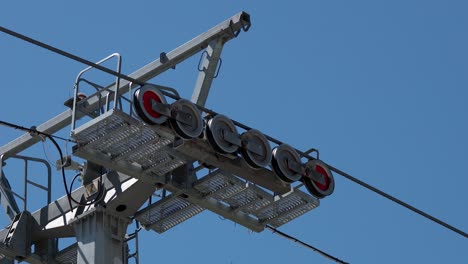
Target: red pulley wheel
<point>143,100</point>
<point>316,169</point>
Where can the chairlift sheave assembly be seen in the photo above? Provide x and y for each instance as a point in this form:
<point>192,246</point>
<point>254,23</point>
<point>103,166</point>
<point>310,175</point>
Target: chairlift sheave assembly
<point>222,134</point>
<point>255,149</point>
<point>286,163</point>
<point>186,119</point>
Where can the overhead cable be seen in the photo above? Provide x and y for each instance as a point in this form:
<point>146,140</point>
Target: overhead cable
<point>68,55</point>
<point>33,130</point>
<point>398,201</point>
<point>276,231</point>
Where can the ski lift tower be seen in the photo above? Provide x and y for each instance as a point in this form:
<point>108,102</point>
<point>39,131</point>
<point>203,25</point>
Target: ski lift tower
<point>133,138</point>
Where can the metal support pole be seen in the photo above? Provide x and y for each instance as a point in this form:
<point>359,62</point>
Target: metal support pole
<point>101,237</point>
<point>208,71</point>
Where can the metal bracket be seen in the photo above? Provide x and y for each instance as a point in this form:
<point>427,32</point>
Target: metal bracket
<point>296,167</point>
<point>232,138</point>
<point>164,59</point>
<point>254,147</point>
<point>183,117</point>
<point>163,109</point>
<point>317,177</point>
<point>312,150</point>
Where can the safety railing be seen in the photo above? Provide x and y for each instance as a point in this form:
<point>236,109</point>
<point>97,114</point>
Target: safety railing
<point>27,181</point>
<point>79,98</point>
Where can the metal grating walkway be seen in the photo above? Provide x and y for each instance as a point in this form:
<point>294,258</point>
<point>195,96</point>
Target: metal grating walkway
<point>124,140</point>
<point>167,213</point>
<point>252,200</point>
<point>287,208</point>
<point>237,197</point>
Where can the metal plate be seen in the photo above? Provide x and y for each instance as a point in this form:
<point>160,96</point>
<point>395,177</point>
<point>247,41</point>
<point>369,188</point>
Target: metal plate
<point>187,121</point>
<point>143,99</point>
<point>316,188</point>
<point>256,149</point>
<point>216,133</point>
<point>283,157</point>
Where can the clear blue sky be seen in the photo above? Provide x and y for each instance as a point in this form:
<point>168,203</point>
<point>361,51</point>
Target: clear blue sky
<point>380,87</point>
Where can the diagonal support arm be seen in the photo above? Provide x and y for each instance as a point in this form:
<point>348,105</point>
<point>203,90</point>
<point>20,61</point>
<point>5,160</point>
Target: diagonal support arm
<point>208,71</point>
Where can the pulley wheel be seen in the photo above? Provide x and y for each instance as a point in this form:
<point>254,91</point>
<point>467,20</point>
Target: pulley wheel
<point>143,99</point>
<point>283,157</point>
<point>320,169</point>
<point>187,121</point>
<point>256,149</point>
<point>218,129</point>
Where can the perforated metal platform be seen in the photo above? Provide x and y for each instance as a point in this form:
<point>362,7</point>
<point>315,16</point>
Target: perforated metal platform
<point>240,200</point>
<point>250,199</point>
<point>231,190</point>
<point>287,208</point>
<point>167,213</point>
<point>124,140</point>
